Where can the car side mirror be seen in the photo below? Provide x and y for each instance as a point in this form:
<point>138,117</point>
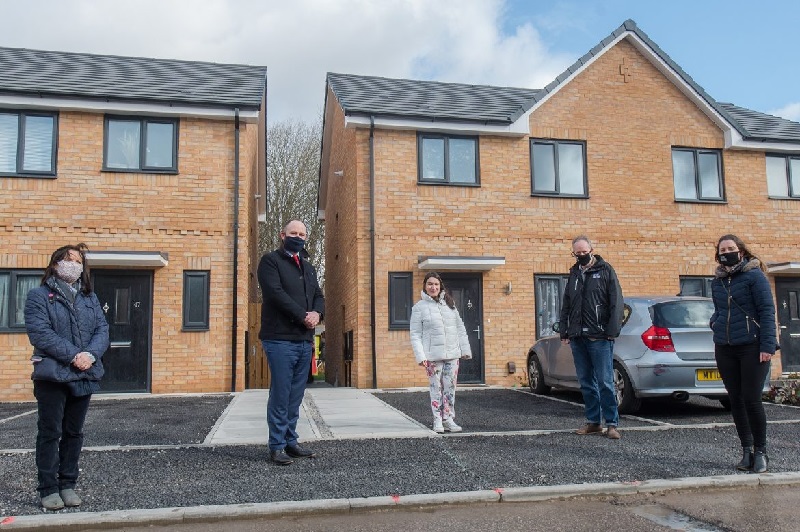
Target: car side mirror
<point>556,327</point>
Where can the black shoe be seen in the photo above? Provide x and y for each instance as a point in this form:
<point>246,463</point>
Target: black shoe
<point>747,460</point>
<point>760,461</point>
<point>279,457</point>
<point>295,451</point>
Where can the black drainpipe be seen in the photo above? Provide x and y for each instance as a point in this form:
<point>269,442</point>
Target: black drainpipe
<point>372,248</point>
<point>234,317</point>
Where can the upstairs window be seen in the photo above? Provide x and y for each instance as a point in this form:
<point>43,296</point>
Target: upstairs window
<point>783,176</point>
<point>141,145</point>
<point>448,160</point>
<point>558,168</point>
<point>28,143</point>
<point>697,175</point>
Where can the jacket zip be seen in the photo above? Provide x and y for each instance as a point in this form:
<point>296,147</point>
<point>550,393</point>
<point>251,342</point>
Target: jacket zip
<point>728,324</point>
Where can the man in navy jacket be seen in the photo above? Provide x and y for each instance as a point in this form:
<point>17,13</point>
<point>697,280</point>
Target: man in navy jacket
<point>292,307</point>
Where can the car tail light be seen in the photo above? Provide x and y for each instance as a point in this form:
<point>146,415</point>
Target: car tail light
<point>658,339</point>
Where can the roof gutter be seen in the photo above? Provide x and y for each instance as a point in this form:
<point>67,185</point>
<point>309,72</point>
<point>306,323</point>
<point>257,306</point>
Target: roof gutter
<point>235,291</point>
<point>372,250</point>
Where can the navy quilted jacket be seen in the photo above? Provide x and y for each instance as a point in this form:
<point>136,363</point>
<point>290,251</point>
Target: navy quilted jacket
<point>59,330</point>
<point>744,311</point>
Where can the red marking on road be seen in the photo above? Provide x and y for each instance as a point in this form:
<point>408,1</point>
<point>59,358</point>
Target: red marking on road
<point>396,498</point>
<point>499,490</point>
<point>7,520</point>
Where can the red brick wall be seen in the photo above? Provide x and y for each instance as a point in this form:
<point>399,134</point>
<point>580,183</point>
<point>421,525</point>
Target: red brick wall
<point>629,130</point>
<point>189,216</point>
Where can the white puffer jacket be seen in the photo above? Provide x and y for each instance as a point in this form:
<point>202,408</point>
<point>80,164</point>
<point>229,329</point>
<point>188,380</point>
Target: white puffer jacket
<point>437,331</point>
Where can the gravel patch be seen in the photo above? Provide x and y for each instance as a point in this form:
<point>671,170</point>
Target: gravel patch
<point>129,479</point>
<point>171,420</point>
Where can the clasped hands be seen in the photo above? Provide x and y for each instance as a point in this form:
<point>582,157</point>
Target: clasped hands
<point>83,361</point>
<point>311,320</point>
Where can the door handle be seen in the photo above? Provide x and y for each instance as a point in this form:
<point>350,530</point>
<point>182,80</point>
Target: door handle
<point>478,330</point>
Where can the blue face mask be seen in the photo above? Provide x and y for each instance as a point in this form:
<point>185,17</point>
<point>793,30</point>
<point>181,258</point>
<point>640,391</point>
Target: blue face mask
<point>293,244</point>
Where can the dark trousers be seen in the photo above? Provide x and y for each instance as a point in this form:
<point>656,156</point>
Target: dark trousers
<point>743,376</point>
<point>60,436</point>
<point>289,363</point>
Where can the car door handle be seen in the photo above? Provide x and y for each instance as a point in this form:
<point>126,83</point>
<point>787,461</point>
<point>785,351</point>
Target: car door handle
<point>478,330</point>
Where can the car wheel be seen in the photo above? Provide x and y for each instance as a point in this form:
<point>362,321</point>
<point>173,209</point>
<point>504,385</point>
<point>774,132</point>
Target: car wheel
<point>627,402</point>
<point>726,403</point>
<point>536,375</point>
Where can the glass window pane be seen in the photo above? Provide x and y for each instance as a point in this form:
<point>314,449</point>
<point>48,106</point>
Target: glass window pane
<point>544,168</point>
<point>38,155</point>
<point>548,304</point>
<point>5,288</point>
<point>122,306</point>
<point>683,314</point>
<point>158,152</point>
<point>400,291</point>
<point>25,283</point>
<point>683,174</point>
<point>691,287</point>
<point>708,164</point>
<point>433,158</point>
<point>777,184</point>
<point>794,172</point>
<point>195,300</point>
<point>9,136</point>
<point>570,168</point>
<point>122,150</point>
<point>462,160</point>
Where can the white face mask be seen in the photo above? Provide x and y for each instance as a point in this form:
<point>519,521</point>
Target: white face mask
<point>69,271</point>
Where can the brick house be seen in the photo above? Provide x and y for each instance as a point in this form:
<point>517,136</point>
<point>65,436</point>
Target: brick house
<point>159,167</point>
<point>488,186</point>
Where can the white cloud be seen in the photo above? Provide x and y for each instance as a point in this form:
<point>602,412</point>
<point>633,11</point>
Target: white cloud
<point>299,41</point>
<point>789,112</point>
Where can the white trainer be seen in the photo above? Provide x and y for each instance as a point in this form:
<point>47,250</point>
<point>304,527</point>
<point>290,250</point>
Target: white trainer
<point>437,426</point>
<point>450,426</point>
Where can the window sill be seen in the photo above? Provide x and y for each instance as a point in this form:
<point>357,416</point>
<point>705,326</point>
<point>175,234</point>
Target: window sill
<point>707,202</point>
<point>195,329</point>
<point>168,171</point>
<point>30,176</point>
<point>449,184</point>
<point>563,196</point>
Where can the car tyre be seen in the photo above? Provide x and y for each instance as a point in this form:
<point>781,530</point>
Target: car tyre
<point>536,376</point>
<point>627,402</point>
<point>726,403</point>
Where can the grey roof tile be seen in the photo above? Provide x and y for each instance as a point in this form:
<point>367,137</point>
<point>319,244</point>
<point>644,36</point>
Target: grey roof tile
<point>428,100</point>
<point>761,126</point>
<point>132,79</point>
<point>436,101</point>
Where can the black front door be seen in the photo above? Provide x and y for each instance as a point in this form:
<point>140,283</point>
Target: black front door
<point>787,291</point>
<point>127,300</point>
<point>466,290</point>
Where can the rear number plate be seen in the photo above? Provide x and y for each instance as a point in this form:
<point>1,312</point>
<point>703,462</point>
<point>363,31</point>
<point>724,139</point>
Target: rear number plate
<point>708,375</point>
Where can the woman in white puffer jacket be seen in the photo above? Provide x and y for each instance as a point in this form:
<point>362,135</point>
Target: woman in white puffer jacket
<point>439,340</point>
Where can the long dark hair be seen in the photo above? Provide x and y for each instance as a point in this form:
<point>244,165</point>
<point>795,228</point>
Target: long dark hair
<point>447,299</point>
<point>743,249</point>
<point>61,254</point>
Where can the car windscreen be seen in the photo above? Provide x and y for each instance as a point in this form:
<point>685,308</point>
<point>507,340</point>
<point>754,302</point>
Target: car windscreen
<point>682,314</point>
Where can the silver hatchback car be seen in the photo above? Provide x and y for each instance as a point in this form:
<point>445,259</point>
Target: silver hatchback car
<point>665,349</point>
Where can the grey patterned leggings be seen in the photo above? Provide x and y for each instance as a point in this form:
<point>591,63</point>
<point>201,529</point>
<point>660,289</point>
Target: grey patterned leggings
<point>442,376</point>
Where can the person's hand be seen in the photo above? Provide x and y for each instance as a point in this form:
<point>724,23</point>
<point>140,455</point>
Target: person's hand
<point>565,341</point>
<point>311,320</point>
<point>764,357</point>
<point>82,361</point>
<point>424,363</point>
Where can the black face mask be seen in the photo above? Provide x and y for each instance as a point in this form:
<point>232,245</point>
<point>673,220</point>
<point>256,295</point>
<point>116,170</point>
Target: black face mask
<point>293,244</point>
<point>729,259</point>
<point>583,260</point>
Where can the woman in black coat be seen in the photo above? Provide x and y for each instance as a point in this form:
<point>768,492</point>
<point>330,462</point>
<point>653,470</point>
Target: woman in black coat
<point>69,334</point>
<point>743,323</point>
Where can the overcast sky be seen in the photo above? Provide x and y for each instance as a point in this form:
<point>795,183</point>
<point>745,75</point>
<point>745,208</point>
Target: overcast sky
<point>739,53</point>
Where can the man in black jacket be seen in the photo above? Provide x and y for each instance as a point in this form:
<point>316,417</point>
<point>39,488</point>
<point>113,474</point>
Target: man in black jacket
<point>292,307</point>
<point>591,318</point>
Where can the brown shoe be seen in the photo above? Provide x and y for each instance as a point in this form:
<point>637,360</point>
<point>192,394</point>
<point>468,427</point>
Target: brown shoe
<point>589,428</point>
<point>612,433</point>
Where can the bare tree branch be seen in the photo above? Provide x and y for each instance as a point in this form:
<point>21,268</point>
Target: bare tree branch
<point>293,159</point>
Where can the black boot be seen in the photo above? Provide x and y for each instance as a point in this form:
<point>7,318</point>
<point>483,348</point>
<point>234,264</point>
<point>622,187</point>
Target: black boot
<point>747,460</point>
<point>760,460</point>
